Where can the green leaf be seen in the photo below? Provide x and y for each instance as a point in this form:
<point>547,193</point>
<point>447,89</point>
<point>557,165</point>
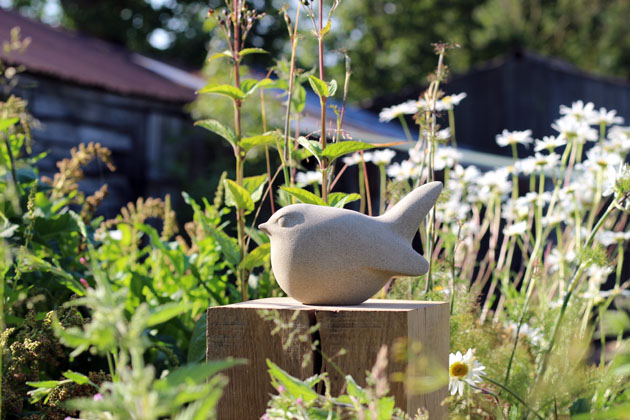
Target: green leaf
<point>43,384</point>
<point>255,185</point>
<point>237,196</point>
<point>335,150</point>
<point>167,311</point>
<point>77,378</point>
<point>226,53</point>
<point>304,196</point>
<point>225,90</point>
<point>293,386</point>
<point>319,86</point>
<point>249,86</point>
<point>257,236</point>
<point>197,344</point>
<point>326,28</point>
<point>217,128</point>
<point>8,122</point>
<point>249,143</point>
<point>7,229</point>
<point>229,246</point>
<point>312,146</point>
<point>339,199</point>
<point>80,223</point>
<point>298,101</point>
<point>385,408</point>
<point>196,373</point>
<point>248,51</point>
<point>354,390</point>
<point>256,258</point>
<point>26,176</point>
<point>332,87</point>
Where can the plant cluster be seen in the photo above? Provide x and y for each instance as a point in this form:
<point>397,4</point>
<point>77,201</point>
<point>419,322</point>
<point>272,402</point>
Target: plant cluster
<point>540,244</point>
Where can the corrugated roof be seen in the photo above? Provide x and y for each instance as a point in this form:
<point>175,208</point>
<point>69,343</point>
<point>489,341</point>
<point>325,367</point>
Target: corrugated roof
<point>87,61</point>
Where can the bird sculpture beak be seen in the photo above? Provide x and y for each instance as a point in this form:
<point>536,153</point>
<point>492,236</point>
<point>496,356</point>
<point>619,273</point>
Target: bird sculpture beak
<point>264,228</point>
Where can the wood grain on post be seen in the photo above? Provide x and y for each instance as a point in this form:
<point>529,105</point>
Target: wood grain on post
<point>239,331</point>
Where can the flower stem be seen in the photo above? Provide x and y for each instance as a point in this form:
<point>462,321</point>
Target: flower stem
<point>514,394</point>
<point>322,140</point>
<point>405,127</point>
<point>570,289</point>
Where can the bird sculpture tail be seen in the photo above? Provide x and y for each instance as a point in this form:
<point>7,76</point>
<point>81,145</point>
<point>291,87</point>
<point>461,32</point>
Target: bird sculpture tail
<point>405,217</point>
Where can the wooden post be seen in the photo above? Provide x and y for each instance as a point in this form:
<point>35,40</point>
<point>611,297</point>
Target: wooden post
<point>239,331</point>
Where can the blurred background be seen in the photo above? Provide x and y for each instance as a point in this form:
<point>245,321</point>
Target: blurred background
<point>125,73</point>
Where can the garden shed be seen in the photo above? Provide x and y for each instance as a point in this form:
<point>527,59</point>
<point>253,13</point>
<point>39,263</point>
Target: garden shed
<point>82,89</point>
<point>522,90</point>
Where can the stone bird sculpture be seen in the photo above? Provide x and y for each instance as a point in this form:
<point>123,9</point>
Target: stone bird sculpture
<point>331,256</point>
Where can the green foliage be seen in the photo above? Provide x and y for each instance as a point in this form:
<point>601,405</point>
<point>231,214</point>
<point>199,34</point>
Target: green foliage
<point>297,399</point>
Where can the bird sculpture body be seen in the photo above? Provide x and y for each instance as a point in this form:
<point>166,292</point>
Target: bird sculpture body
<point>331,256</point>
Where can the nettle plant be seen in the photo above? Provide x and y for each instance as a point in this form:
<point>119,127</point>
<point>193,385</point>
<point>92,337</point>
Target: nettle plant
<point>325,145</point>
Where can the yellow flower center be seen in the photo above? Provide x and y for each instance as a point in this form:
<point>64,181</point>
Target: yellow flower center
<point>459,369</point>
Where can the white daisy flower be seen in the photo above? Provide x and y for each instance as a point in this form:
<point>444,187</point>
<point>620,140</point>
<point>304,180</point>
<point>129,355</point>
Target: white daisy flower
<point>450,101</point>
<point>607,238</point>
<point>616,179</point>
<point>579,110</point>
<point>401,171</point>
<point>546,161</point>
<point>549,143</point>
<point>602,158</point>
<point>516,229</point>
<point>388,114</point>
<point>507,138</point>
<point>525,166</point>
<point>355,158</point>
<point>606,117</point>
<point>555,257</point>
<point>463,369</point>
<point>572,129</point>
<point>308,178</point>
<point>383,157</point>
<point>445,157</point>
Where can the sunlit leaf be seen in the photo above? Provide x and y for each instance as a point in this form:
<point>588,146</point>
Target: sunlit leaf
<point>293,386</point>
<point>217,128</point>
<point>339,199</point>
<point>166,312</point>
<point>225,90</point>
<point>77,378</point>
<point>319,86</point>
<point>258,257</point>
<point>196,373</point>
<point>197,343</point>
<point>248,51</point>
<point>298,101</point>
<point>255,185</point>
<point>8,122</point>
<point>312,146</point>
<point>229,246</point>
<point>249,143</point>
<point>249,86</point>
<point>237,196</point>
<point>336,150</point>
<point>332,87</point>
<point>226,53</point>
<point>304,196</point>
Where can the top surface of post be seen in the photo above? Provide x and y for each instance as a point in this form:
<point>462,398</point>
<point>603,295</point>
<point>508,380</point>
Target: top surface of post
<point>369,305</point>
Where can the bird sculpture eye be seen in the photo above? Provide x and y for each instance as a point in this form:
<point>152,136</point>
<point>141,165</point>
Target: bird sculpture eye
<point>290,219</point>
